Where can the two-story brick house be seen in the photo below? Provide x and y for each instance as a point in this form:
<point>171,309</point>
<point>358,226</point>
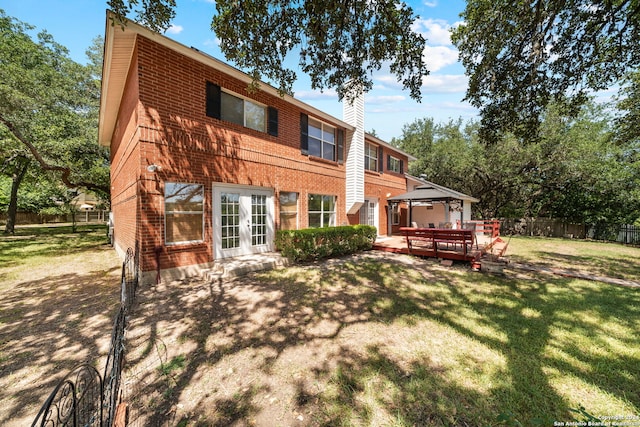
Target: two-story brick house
<point>203,169</point>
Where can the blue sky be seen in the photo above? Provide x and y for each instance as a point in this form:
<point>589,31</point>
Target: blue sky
<point>75,23</point>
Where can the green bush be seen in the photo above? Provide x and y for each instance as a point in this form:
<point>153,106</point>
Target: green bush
<point>317,243</point>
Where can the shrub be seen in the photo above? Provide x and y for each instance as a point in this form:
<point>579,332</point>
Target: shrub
<point>317,243</point>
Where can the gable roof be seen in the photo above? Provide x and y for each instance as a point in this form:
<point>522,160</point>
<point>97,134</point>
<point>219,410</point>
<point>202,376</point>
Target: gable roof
<point>430,191</point>
<point>387,145</point>
<point>119,44</point>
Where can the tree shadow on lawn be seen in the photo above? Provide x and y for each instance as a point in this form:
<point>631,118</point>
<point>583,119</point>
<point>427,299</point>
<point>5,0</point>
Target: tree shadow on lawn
<point>49,326</point>
<point>618,266</point>
<point>47,242</point>
<point>306,345</point>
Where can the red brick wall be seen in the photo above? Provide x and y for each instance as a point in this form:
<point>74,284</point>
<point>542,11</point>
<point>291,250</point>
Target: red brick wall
<point>176,134</point>
<point>383,185</point>
<point>163,121</point>
<point>125,165</point>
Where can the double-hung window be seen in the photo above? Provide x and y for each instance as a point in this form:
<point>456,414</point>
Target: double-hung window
<point>371,157</point>
<point>183,212</point>
<point>394,164</point>
<point>395,219</point>
<point>288,210</point>
<point>322,140</point>
<point>322,211</point>
<point>242,112</point>
<point>224,105</point>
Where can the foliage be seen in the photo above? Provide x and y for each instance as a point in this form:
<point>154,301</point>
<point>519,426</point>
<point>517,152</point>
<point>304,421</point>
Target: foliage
<point>573,171</point>
<point>341,43</point>
<point>542,52</point>
<point>37,193</point>
<point>48,118</point>
<point>317,243</point>
<point>49,108</point>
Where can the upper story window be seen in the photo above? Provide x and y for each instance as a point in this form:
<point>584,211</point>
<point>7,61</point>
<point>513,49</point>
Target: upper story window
<point>395,165</point>
<point>232,108</point>
<point>242,112</point>
<point>371,157</point>
<point>322,140</point>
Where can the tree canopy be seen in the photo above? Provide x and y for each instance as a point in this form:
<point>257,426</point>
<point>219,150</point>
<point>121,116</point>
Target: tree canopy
<point>522,56</point>
<point>573,171</point>
<point>48,113</point>
<point>340,43</point>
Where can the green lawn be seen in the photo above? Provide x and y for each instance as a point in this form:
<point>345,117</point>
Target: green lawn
<point>397,341</point>
<point>36,247</point>
<point>604,259</point>
<point>366,340</point>
<point>59,292</point>
<point>476,346</point>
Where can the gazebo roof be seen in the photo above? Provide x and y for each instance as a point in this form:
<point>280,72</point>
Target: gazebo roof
<point>432,193</point>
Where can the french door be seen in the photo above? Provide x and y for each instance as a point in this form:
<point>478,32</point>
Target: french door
<point>242,221</point>
<point>369,212</point>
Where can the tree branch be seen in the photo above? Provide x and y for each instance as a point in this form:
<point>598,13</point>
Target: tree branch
<point>64,171</point>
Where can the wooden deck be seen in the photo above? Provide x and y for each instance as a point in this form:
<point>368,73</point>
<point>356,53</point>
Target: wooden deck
<point>436,245</point>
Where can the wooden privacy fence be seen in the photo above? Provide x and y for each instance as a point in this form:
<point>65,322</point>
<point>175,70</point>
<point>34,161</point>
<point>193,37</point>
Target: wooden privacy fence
<point>552,227</point>
<point>36,218</point>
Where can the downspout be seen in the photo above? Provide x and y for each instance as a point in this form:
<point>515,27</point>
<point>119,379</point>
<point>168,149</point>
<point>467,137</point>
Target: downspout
<point>158,251</point>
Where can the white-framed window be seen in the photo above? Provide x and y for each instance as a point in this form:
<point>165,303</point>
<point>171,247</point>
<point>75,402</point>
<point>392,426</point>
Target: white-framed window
<point>395,165</point>
<point>242,111</point>
<point>371,157</point>
<point>183,212</point>
<point>322,211</point>
<point>322,140</point>
<point>288,210</point>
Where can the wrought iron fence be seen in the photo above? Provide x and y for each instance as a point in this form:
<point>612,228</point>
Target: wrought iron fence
<point>83,397</point>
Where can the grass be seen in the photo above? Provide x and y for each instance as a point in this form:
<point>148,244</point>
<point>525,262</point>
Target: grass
<point>35,247</point>
<point>58,294</point>
<point>604,259</point>
<point>365,340</point>
<point>396,341</point>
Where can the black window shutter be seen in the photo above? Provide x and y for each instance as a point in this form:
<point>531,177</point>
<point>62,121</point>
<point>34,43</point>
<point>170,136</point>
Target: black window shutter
<point>272,125</point>
<point>340,145</point>
<point>380,160</point>
<point>402,166</point>
<point>304,133</point>
<point>388,162</point>
<point>213,100</point>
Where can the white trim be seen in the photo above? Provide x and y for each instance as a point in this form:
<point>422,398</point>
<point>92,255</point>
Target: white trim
<point>244,190</point>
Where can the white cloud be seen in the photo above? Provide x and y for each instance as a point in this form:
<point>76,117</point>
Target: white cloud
<point>383,99</point>
<point>387,81</point>
<point>316,94</point>
<point>436,31</point>
<point>438,57</point>
<point>445,83</point>
<point>430,3</point>
<point>174,29</point>
<point>212,42</point>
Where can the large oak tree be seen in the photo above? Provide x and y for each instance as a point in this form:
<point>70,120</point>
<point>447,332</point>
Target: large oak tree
<point>48,112</point>
<point>522,56</point>
<point>341,43</point>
